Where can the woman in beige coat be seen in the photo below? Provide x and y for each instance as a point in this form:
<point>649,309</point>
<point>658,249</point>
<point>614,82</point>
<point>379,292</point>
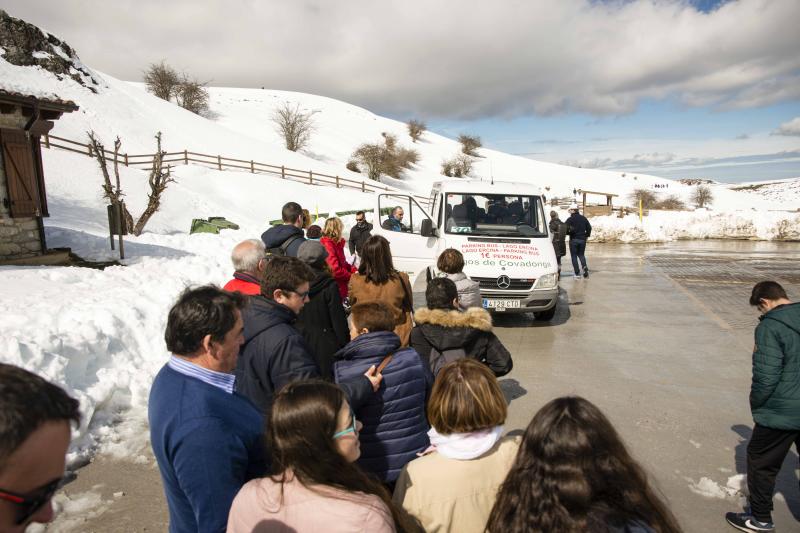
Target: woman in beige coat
<point>378,281</point>
<point>453,487</point>
<point>313,438</point>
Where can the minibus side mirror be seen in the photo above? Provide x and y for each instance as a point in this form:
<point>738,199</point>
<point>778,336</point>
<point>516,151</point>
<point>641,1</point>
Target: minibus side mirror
<point>426,228</point>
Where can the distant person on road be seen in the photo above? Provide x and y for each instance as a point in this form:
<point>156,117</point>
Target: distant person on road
<point>774,401</point>
<point>573,473</point>
<point>579,231</point>
<point>378,281</point>
<point>322,319</point>
<point>452,488</point>
<point>207,439</point>
<point>395,220</point>
<point>35,423</point>
<point>451,263</point>
<point>333,242</point>
<point>314,440</point>
<point>444,334</point>
<point>274,351</point>
<point>249,262</point>
<point>286,238</point>
<point>395,428</point>
<point>559,231</point>
<point>359,233</point>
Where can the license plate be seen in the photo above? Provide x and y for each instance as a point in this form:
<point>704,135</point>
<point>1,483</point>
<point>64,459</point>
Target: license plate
<point>500,305</point>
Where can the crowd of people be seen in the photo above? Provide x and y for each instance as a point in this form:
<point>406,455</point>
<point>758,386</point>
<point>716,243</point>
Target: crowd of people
<point>311,395</point>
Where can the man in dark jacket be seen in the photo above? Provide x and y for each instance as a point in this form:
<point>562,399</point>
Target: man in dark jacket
<point>443,333</point>
<point>559,231</point>
<point>286,238</point>
<point>359,233</point>
<point>274,351</point>
<point>322,320</point>
<point>395,220</point>
<point>579,230</point>
<point>394,428</point>
<point>774,401</point>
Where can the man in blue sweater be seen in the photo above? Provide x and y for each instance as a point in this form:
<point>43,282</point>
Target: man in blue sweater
<point>207,439</point>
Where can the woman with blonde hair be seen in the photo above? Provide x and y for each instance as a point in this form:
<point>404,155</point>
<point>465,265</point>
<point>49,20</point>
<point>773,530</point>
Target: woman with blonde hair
<point>378,281</point>
<point>453,487</point>
<point>334,244</point>
<point>313,438</point>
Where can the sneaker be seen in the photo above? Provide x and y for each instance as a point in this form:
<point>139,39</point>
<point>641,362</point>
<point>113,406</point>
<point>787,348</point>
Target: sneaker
<point>578,276</point>
<point>746,522</point>
<point>585,272</point>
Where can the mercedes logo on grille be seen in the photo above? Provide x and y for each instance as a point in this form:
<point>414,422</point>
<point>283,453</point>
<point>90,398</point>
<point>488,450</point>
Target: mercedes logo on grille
<point>504,282</point>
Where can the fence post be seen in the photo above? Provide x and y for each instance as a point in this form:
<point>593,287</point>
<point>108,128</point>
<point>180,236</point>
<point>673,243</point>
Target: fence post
<point>126,159</point>
<point>252,167</point>
<point>337,182</point>
<point>219,162</point>
<point>46,141</point>
<point>310,177</point>
<point>362,187</point>
<point>186,157</point>
<point>283,172</point>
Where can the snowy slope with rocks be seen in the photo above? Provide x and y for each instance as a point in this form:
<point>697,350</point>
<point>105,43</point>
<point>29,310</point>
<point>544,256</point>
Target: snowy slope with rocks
<point>784,192</point>
<point>99,333</point>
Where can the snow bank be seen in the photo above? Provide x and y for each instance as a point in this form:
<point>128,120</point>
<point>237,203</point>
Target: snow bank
<point>734,488</point>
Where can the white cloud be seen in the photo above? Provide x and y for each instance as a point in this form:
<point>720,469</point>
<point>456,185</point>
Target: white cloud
<point>791,128</point>
<point>456,58</point>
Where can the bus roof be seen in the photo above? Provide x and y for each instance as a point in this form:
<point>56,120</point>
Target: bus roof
<point>487,187</point>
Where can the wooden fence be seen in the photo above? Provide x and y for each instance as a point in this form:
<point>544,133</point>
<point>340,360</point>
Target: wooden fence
<point>220,162</point>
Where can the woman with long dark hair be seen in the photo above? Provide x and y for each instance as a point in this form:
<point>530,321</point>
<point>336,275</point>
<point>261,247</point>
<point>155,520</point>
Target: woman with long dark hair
<point>573,474</point>
<point>378,281</point>
<point>313,438</point>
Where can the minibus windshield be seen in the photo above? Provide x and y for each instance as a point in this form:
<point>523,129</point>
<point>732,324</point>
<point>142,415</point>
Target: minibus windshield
<point>497,215</point>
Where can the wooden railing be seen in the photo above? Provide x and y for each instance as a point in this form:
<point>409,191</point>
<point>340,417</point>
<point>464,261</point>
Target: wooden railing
<point>220,162</point>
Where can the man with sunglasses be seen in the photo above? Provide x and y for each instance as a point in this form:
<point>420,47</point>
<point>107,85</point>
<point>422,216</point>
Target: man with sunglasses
<point>774,401</point>
<point>274,351</point>
<point>35,418</point>
<point>359,233</point>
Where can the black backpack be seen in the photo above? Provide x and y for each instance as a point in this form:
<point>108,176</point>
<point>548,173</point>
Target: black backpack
<point>281,250</point>
<point>439,359</point>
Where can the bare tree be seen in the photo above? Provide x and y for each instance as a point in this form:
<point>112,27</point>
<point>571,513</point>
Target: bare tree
<point>192,95</point>
<point>161,80</point>
<point>294,125</point>
<point>648,198</point>
<point>458,166</point>
<point>469,143</point>
<point>371,157</point>
<point>671,203</point>
<point>415,129</point>
<point>158,181</point>
<point>702,195</point>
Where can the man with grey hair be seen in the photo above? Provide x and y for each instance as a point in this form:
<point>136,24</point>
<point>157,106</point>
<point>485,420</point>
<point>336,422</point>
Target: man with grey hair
<point>249,262</point>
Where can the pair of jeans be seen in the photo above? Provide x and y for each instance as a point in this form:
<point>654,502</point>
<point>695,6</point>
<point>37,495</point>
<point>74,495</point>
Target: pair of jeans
<point>765,454</point>
<point>577,247</point>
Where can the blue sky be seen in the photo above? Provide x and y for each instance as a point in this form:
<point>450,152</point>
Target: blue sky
<point>675,88</point>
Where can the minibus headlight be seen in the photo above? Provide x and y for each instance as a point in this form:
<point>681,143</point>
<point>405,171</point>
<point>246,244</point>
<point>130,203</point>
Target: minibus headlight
<point>548,281</point>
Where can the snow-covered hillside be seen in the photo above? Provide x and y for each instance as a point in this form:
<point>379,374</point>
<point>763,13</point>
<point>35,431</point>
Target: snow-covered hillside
<point>784,192</point>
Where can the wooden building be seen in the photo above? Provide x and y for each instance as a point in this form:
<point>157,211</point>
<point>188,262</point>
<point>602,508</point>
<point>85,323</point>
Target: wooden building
<point>597,208</point>
<point>23,199</point>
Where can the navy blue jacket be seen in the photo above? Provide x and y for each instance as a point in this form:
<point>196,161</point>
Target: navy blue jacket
<point>578,227</point>
<point>395,427</point>
<point>277,235</point>
<point>275,353</point>
<point>208,443</point>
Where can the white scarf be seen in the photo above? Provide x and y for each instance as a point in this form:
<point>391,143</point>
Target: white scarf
<point>465,446</point>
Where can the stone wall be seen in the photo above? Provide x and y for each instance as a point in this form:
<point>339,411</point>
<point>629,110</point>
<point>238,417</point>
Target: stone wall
<point>19,238</point>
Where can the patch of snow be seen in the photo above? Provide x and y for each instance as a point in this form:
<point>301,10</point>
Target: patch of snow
<point>75,511</point>
<point>735,487</point>
<point>695,443</point>
<point>41,55</point>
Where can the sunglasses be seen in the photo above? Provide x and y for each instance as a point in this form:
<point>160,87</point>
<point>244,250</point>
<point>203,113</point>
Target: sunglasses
<point>350,429</point>
<point>28,505</point>
<point>302,295</point>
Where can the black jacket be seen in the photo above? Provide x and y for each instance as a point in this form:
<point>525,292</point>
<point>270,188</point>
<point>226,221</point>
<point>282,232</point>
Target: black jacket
<point>559,231</point>
<point>277,235</point>
<point>470,330</point>
<point>275,353</point>
<point>579,227</point>
<point>358,236</point>
<point>323,322</point>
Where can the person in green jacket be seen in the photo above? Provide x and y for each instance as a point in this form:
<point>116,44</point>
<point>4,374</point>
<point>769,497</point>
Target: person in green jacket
<point>774,401</point>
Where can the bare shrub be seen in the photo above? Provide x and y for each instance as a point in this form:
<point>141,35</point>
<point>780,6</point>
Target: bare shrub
<point>161,80</point>
<point>415,129</point>
<point>407,157</point>
<point>158,181</point>
<point>352,166</point>
<point>389,158</point>
<point>294,125</point>
<point>670,203</point>
<point>457,167</point>
<point>702,196</point>
<point>447,167</point>
<point>370,156</point>
<point>469,143</point>
<point>647,197</point>
<point>192,95</point>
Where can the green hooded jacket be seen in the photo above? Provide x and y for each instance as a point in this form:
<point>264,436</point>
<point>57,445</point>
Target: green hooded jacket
<point>775,394</point>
